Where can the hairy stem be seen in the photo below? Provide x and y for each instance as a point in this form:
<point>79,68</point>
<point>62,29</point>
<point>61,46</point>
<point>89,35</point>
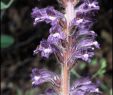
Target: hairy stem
<point>65,80</point>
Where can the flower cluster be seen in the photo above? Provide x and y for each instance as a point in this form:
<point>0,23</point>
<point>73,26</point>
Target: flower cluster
<point>70,39</point>
<point>83,86</point>
<point>81,36</point>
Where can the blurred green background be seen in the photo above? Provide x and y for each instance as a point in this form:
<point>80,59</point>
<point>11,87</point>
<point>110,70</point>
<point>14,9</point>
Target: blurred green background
<point>19,38</point>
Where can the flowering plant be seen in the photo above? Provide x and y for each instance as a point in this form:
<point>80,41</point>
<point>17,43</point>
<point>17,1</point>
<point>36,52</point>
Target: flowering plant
<point>71,39</point>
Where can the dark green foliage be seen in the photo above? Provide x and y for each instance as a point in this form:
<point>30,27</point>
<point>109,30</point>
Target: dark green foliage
<point>6,41</point>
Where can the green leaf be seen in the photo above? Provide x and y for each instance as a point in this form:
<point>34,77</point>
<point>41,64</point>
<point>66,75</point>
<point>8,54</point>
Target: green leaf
<point>102,69</point>
<point>103,63</point>
<point>82,66</point>
<point>19,92</point>
<point>94,62</point>
<point>30,92</point>
<point>75,73</point>
<point>104,87</point>
<point>6,41</point>
<point>101,73</point>
<point>5,6</point>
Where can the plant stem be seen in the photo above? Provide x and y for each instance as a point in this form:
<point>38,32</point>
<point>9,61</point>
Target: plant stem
<point>65,80</point>
<point>65,77</point>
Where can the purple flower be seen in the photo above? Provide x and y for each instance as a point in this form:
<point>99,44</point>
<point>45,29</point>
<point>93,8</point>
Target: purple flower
<point>84,49</point>
<point>58,25</point>
<point>84,86</point>
<point>83,32</point>
<point>48,15</point>
<point>42,76</point>
<point>87,8</point>
<point>55,18</point>
<point>82,23</point>
<point>55,38</point>
<point>84,14</point>
<point>44,48</point>
<point>84,45</point>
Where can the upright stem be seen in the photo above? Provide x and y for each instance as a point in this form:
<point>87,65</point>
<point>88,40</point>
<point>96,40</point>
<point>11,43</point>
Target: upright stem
<point>65,77</point>
<point>65,80</point>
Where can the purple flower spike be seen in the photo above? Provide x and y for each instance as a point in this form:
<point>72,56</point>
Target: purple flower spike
<point>84,87</point>
<point>44,48</point>
<point>42,76</point>
<point>70,39</point>
<point>48,15</point>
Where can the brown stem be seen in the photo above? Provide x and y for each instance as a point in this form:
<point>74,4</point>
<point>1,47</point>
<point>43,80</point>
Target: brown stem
<point>65,80</point>
<point>65,77</point>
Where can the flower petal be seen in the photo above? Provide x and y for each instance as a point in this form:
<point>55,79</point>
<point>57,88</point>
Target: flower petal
<point>55,38</point>
<point>84,86</point>
<point>85,52</point>
<point>44,48</point>
<point>87,43</point>
<point>86,32</point>
<point>82,23</point>
<point>48,15</point>
<point>88,7</point>
<point>42,76</point>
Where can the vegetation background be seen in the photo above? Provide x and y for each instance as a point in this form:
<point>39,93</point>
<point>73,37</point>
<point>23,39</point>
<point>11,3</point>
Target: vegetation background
<point>19,38</point>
